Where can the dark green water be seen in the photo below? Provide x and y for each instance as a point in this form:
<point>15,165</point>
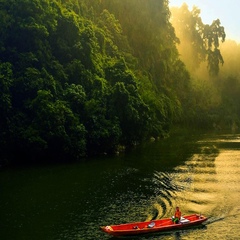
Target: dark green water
<point>199,173</point>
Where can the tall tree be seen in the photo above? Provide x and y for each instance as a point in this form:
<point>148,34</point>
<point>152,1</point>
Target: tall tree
<point>198,41</point>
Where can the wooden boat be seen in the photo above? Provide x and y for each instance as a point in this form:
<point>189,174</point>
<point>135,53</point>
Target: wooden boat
<point>161,225</point>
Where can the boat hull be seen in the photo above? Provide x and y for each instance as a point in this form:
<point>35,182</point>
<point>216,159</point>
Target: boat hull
<point>161,225</point>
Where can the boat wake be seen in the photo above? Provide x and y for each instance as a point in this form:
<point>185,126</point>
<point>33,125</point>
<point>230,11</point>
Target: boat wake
<point>166,188</point>
<point>220,218</point>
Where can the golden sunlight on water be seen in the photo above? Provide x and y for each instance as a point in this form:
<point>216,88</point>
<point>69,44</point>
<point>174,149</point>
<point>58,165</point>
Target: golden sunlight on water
<point>214,189</point>
<point>228,175</point>
<point>209,183</point>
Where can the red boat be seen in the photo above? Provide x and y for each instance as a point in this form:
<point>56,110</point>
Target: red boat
<point>161,225</point>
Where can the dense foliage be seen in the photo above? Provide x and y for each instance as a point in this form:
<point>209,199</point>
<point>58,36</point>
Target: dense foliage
<point>79,78</point>
<point>71,84</point>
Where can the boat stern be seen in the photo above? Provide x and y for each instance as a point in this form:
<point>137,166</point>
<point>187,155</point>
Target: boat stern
<point>106,229</point>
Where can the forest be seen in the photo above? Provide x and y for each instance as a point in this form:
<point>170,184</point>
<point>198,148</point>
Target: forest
<point>86,77</point>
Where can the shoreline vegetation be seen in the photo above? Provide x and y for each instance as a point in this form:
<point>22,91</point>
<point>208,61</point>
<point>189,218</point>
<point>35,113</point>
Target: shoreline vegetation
<point>85,78</point>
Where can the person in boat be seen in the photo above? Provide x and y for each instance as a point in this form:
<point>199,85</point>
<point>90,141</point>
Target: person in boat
<point>177,215</point>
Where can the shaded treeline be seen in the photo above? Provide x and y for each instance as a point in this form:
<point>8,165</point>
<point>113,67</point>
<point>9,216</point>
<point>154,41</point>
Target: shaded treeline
<point>79,78</point>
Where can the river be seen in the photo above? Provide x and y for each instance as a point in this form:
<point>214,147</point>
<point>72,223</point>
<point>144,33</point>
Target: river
<point>200,173</point>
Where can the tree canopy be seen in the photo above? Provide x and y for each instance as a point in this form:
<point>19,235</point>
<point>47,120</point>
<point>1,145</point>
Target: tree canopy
<point>200,40</point>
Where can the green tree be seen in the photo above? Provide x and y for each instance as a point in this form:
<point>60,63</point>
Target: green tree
<point>127,104</point>
<point>56,125</point>
<point>211,35</point>
<point>199,42</point>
